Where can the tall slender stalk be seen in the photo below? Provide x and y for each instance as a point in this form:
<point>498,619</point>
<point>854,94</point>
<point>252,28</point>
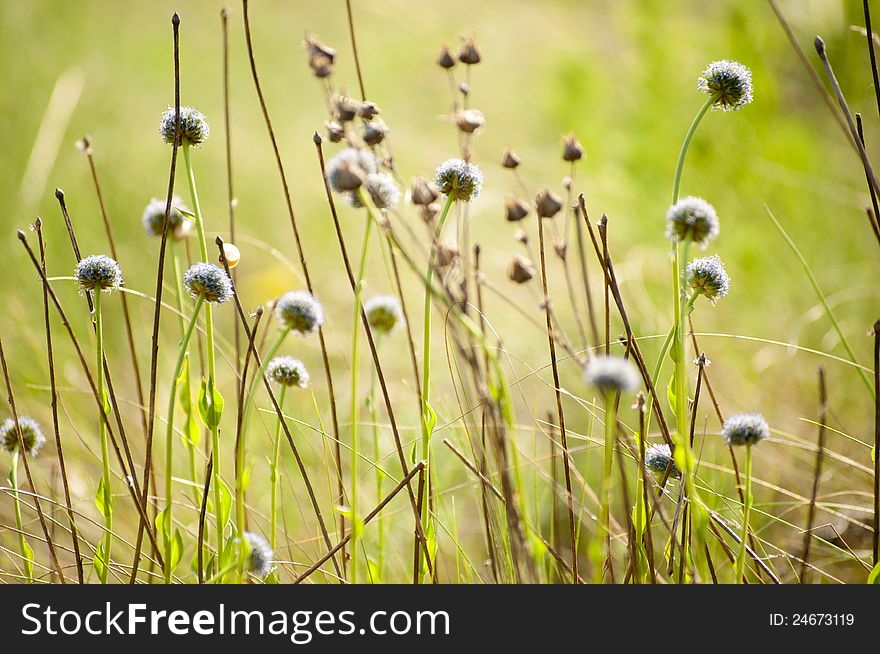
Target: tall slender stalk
<point>106,495</point>
<point>26,553</point>
<point>605,526</point>
<point>274,475</point>
<point>355,352</point>
<point>169,436</point>
<point>747,506</point>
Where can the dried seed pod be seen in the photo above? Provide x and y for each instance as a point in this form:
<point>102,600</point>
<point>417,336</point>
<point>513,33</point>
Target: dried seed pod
<point>321,66</point>
<point>469,54</point>
<point>464,88</point>
<point>335,131</point>
<point>345,176</point>
<point>567,183</point>
<point>510,159</point>
<point>375,132</point>
<point>547,203</point>
<point>520,270</point>
<point>515,209</point>
<point>320,57</point>
<point>445,58</point>
<point>561,249</point>
<point>572,150</point>
<point>423,192</point>
<point>521,236</point>
<point>446,255</point>
<point>470,120</point>
<point>368,110</point>
<point>346,108</point>
<point>429,211</point>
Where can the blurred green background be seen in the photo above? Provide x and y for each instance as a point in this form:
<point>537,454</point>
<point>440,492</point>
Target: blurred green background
<point>622,76</point>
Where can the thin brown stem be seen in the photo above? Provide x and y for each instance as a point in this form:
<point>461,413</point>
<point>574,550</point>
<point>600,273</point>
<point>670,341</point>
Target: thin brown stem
<point>817,474</point>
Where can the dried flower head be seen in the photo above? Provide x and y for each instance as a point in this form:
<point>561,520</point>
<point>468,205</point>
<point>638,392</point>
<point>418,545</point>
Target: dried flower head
<point>547,203</point>
<point>320,57</point>
<point>521,269</point>
<point>692,219</point>
<point>658,458</point>
<point>193,126</point>
<point>612,374</point>
<point>423,192</point>
<point>98,272</point>
<point>572,150</point>
<point>349,169</point>
<point>209,282</point>
<point>31,434</point>
<point>300,312</point>
<point>469,120</point>
<point>745,429</point>
<point>261,557</point>
<point>346,108</point>
<point>375,132</point>
<point>729,82</point>
<point>384,313</point>
<point>383,191</point>
<point>458,179</point>
<point>368,110</point>
<point>707,276</point>
<point>469,54</point>
<point>287,371</point>
<point>335,131</point>
<point>154,219</point>
<point>515,209</point>
<point>446,254</point>
<point>509,159</point>
<point>445,58</point>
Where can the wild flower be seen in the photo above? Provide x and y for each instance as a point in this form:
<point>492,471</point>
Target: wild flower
<point>384,313</point>
<point>658,458</point>
<point>708,277</point>
<point>98,272</point>
<point>459,180</point>
<point>612,374</point>
<point>692,219</point>
<point>31,434</point>
<point>349,169</point>
<point>745,429</point>
<point>729,82</point>
<point>383,191</point>
<point>299,311</point>
<point>261,557</point>
<point>287,371</point>
<point>154,219</point>
<point>208,282</point>
<point>194,127</point>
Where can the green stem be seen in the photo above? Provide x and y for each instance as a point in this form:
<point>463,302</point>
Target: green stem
<point>426,363</point>
<point>197,210</point>
<point>380,475</point>
<point>610,437</point>
<point>355,341</point>
<point>186,384</point>
<point>747,507</point>
<point>274,478</point>
<point>679,167</point>
<point>169,435</point>
<point>105,455</point>
<point>26,554</point>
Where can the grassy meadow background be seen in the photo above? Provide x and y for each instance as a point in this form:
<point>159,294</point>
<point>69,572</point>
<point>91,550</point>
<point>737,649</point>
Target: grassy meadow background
<point>622,76</point>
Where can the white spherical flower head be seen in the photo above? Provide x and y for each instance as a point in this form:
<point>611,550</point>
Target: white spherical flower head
<point>612,374</point>
<point>458,179</point>
<point>208,282</point>
<point>287,371</point>
<point>261,557</point>
<point>31,434</point>
<point>98,272</point>
<point>384,314</point>
<point>745,429</point>
<point>383,191</point>
<point>300,312</point>
<point>729,83</point>
<point>154,219</point>
<point>193,126</point>
<point>658,458</point>
<point>708,277</point>
<point>692,219</point>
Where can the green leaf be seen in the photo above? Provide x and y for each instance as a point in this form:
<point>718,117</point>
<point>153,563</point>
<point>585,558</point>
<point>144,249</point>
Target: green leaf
<point>272,579</point>
<point>28,555</point>
<point>430,419</point>
<point>176,549</point>
<point>225,505</point>
<point>357,525</point>
<point>874,577</point>
<point>670,394</point>
<point>163,524</point>
<point>103,500</point>
<point>673,350</point>
<point>212,411</point>
<point>246,478</point>
<point>373,570</point>
<point>230,553</point>
<point>185,212</point>
<point>100,560</point>
<point>192,435</point>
